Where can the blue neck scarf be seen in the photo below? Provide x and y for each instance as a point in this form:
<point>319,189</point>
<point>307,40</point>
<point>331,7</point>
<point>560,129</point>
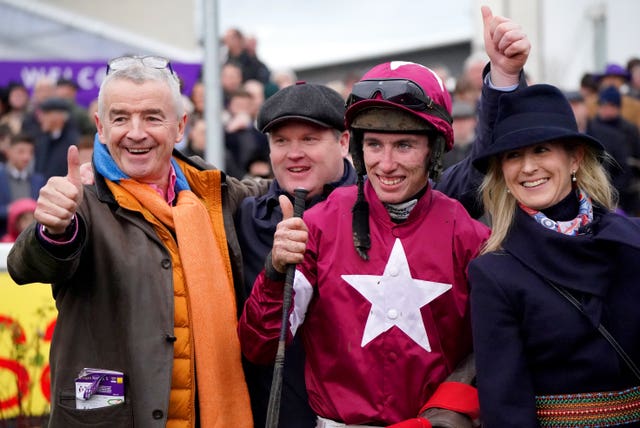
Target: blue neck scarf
<point>107,167</point>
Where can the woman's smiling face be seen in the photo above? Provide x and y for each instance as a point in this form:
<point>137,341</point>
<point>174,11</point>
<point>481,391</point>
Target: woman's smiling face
<point>539,176</point>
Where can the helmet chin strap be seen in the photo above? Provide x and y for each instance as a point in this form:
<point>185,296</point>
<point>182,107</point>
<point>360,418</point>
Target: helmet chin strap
<point>356,151</point>
<point>435,162</point>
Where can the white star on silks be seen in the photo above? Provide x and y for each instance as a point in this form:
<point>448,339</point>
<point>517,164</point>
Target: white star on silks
<point>396,298</point>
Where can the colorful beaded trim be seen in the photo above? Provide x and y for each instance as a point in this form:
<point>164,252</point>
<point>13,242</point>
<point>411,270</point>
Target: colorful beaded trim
<point>596,409</point>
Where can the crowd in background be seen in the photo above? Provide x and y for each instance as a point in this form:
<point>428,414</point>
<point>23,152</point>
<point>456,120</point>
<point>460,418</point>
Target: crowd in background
<point>38,125</point>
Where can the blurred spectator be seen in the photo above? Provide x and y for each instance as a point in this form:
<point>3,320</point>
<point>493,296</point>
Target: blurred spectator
<point>589,88</point>
<point>242,140</point>
<point>189,111</point>
<point>244,54</point>
<point>5,141</point>
<point>43,89</point>
<point>613,75</point>
<point>231,81</point>
<point>92,110</point>
<point>58,133</point>
<point>618,77</point>
<point>263,73</point>
<point>233,40</point>
<point>17,181</point>
<point>338,86</point>
<point>259,167</point>
<point>349,80</point>
<point>197,97</point>
<point>633,68</point>
<point>20,216</point>
<point>256,89</point>
<point>18,102</point>
<point>464,131</point>
<point>443,72</point>
<point>284,77</point>
<point>4,100</point>
<point>469,85</point>
<point>615,143</point>
<point>68,89</point>
<point>197,138</point>
<point>85,148</point>
<point>464,91</point>
<point>609,113</point>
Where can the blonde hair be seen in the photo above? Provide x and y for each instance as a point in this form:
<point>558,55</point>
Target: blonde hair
<point>591,177</point>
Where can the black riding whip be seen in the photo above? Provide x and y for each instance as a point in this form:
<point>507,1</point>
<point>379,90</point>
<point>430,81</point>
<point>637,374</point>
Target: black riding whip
<point>275,395</point>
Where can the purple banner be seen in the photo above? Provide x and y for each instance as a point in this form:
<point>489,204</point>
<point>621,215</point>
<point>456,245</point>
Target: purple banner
<point>87,74</point>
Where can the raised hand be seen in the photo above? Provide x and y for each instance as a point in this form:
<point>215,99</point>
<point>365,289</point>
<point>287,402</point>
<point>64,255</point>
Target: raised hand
<point>290,238</point>
<point>86,173</point>
<point>506,45</point>
<point>60,197</point>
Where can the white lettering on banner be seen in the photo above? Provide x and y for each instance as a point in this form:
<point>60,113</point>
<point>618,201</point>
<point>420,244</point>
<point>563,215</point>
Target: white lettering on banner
<point>90,78</point>
<point>67,73</point>
<point>30,75</point>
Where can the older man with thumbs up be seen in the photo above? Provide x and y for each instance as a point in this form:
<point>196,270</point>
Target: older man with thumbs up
<point>143,265</point>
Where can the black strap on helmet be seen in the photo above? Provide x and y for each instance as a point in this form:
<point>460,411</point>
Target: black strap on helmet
<point>360,222</point>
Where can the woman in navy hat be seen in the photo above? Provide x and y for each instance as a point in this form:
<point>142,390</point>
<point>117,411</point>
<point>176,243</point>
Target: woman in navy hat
<point>559,273</point>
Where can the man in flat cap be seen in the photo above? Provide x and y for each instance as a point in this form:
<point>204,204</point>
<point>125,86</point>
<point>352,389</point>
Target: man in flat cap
<point>308,149</point>
<point>58,133</point>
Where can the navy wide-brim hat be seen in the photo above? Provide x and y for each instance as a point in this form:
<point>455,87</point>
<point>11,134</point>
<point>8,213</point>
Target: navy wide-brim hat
<point>533,115</point>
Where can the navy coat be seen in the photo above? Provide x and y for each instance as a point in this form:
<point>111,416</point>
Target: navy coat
<point>529,340</point>
<point>256,222</point>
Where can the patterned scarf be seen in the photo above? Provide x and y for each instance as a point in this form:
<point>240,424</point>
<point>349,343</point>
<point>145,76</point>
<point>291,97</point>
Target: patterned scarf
<point>569,227</point>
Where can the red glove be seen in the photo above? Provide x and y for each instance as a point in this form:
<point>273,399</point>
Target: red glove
<point>412,423</point>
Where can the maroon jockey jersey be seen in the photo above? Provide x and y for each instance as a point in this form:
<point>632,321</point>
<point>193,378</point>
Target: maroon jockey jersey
<point>379,335</point>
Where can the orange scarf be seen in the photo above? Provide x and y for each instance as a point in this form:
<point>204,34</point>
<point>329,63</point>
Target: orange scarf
<point>202,246</point>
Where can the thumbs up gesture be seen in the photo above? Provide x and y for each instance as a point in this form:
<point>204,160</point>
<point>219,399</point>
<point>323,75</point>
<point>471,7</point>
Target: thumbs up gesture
<point>60,197</point>
<point>290,238</point>
<point>506,45</point>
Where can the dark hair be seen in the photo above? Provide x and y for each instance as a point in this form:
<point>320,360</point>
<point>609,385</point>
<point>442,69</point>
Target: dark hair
<point>23,137</point>
<point>5,130</point>
<point>633,62</point>
<point>589,81</point>
<point>13,85</point>
<point>85,141</point>
<point>241,93</point>
<point>67,82</point>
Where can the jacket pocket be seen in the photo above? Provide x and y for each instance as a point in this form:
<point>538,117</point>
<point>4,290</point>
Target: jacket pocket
<point>66,415</point>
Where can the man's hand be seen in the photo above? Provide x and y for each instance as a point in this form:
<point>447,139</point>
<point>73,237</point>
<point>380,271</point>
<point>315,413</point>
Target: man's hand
<point>60,197</point>
<point>86,173</point>
<point>507,47</point>
<point>290,238</point>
